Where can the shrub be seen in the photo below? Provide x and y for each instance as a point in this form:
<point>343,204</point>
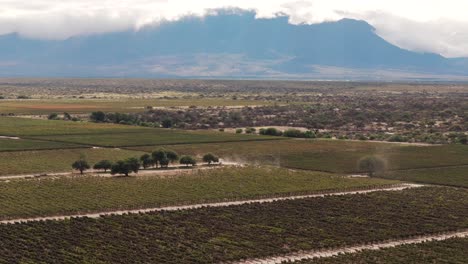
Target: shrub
<point>271,131</point>
<point>53,116</point>
<point>239,131</point>
<point>371,165</point>
<point>187,160</point>
<point>293,133</point>
<point>98,116</point>
<point>210,158</point>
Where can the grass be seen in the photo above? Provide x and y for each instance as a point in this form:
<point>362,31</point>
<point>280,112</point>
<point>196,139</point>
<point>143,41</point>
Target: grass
<point>45,161</point>
<point>455,176</point>
<point>214,235</point>
<point>25,144</point>
<point>448,251</point>
<point>329,155</point>
<point>90,194</point>
<point>125,105</point>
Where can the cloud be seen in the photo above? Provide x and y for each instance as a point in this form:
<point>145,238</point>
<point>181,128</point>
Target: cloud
<point>420,25</point>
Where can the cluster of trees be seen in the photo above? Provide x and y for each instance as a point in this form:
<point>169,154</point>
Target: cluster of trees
<point>159,158</point>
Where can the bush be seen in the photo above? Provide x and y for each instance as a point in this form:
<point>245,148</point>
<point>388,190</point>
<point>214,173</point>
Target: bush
<point>167,123</point>
<point>53,116</point>
<point>98,116</point>
<point>371,165</point>
<point>293,133</point>
<point>188,160</point>
<point>271,131</point>
<point>250,130</point>
<point>239,131</point>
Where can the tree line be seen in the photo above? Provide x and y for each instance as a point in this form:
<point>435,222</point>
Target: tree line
<point>160,158</point>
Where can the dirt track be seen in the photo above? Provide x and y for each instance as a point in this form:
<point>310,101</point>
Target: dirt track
<point>196,206</point>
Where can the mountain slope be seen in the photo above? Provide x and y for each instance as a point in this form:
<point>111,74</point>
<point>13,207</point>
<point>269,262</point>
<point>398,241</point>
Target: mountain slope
<point>226,45</point>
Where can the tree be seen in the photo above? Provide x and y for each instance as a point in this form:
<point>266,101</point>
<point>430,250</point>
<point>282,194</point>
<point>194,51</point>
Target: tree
<point>172,156</point>
<point>53,116</point>
<point>187,160</point>
<point>98,116</point>
<point>103,165</point>
<point>164,162</point>
<point>134,164</point>
<point>146,160</point>
<point>81,165</point>
<point>67,116</point>
<point>371,165</point>
<point>166,123</point>
<point>120,167</point>
<point>209,158</point>
<point>158,155</point>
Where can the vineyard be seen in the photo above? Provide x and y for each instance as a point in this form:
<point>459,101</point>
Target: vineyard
<point>59,160</point>
<point>45,197</point>
<point>154,137</point>
<point>211,235</point>
<point>24,144</point>
<point>455,176</point>
<point>448,251</point>
<point>329,155</point>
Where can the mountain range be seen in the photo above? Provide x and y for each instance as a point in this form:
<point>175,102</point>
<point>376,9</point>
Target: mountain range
<point>228,45</point>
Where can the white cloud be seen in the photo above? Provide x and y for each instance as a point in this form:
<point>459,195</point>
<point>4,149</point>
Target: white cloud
<point>421,25</point>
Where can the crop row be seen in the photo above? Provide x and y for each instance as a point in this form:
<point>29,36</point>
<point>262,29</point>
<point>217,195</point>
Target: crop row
<point>45,197</point>
<point>329,155</point>
<point>211,235</point>
<point>448,251</point>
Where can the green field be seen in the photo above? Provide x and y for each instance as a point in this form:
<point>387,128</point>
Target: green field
<point>448,251</point>
<point>45,161</point>
<point>111,135</point>
<point>452,176</point>
<point>124,105</point>
<point>25,144</point>
<point>154,137</point>
<point>90,194</point>
<point>329,155</point>
<point>214,235</point>
<point>15,126</point>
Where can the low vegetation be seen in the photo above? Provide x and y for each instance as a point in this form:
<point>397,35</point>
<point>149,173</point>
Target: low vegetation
<point>328,155</point>
<point>41,197</point>
<point>451,176</point>
<point>212,235</point>
<point>448,251</point>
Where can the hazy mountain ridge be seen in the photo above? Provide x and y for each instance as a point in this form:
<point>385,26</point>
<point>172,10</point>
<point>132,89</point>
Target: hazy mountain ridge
<point>227,45</point>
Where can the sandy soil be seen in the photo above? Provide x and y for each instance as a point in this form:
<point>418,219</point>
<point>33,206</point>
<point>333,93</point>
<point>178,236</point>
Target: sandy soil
<point>220,204</point>
<point>7,137</point>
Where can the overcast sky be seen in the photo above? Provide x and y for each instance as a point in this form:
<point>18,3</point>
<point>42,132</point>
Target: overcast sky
<point>439,26</point>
